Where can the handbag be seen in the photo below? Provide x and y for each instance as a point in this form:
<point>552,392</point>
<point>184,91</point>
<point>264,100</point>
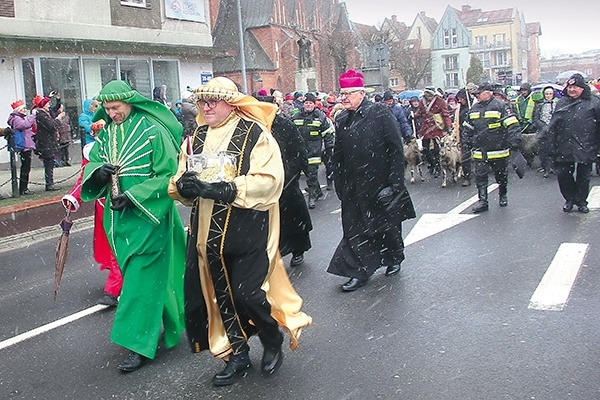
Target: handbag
<point>437,118</point>
<point>18,140</point>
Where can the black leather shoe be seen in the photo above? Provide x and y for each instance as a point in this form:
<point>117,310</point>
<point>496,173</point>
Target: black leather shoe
<point>52,188</point>
<point>271,361</point>
<point>353,284</point>
<point>568,207</point>
<point>296,260</point>
<point>234,370</point>
<point>583,209</point>
<point>26,192</point>
<point>108,300</point>
<point>392,270</point>
<point>133,362</point>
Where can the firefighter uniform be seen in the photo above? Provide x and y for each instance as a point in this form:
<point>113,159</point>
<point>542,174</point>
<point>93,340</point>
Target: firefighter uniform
<point>492,131</point>
<point>317,131</point>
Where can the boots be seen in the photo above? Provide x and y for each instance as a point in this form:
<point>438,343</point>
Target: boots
<point>482,204</point>
<point>502,189</point>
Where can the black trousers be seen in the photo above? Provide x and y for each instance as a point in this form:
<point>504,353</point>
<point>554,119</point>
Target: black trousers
<point>431,151</point>
<point>574,181</point>
<point>49,171</point>
<point>465,160</point>
<point>498,166</point>
<point>25,170</point>
<point>312,180</point>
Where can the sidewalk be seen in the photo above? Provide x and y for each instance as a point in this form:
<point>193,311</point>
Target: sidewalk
<point>27,213</point>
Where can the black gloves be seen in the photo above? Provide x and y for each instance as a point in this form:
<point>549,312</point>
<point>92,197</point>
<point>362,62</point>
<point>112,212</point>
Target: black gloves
<point>120,202</point>
<point>385,196</point>
<point>103,174</point>
<point>189,186</point>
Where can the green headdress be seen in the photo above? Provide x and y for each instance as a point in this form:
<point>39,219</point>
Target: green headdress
<point>158,113</point>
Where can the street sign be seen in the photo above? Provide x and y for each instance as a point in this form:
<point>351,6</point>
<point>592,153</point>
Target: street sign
<point>205,77</point>
<point>380,53</point>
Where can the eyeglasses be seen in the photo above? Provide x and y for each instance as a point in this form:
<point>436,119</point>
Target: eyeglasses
<point>348,93</point>
<point>209,103</point>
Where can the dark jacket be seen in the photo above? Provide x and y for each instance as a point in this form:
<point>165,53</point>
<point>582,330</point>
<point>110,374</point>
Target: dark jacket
<point>491,127</point>
<point>369,157</point>
<point>294,214</point>
<point>575,128</point>
<point>316,130</point>
<point>429,129</point>
<point>46,138</point>
<point>189,112</point>
<point>400,116</point>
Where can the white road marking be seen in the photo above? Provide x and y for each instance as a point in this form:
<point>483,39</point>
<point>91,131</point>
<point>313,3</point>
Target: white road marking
<point>554,289</point>
<point>52,325</point>
<point>594,198</point>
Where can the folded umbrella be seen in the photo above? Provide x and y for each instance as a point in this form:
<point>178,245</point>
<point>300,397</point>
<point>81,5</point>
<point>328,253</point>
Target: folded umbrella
<point>61,250</point>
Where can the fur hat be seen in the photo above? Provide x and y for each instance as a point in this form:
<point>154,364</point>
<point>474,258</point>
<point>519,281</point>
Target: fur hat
<point>17,104</point>
<point>388,95</point>
<point>352,79</point>
<point>430,91</point>
<point>576,80</point>
<point>310,97</point>
<point>485,86</point>
<point>525,86</point>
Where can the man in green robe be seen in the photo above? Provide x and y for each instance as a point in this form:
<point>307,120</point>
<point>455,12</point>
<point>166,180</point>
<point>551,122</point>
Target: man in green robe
<point>131,163</point>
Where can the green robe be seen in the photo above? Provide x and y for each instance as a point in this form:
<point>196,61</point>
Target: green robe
<point>148,240</point>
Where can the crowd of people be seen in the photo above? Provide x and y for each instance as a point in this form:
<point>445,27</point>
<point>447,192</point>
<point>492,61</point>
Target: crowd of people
<point>224,280</point>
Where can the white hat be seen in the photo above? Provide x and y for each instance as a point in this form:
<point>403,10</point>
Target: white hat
<point>186,94</point>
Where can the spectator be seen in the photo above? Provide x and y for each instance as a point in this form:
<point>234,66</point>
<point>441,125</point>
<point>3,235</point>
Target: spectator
<point>64,136</point>
<point>575,139</point>
<point>19,121</point>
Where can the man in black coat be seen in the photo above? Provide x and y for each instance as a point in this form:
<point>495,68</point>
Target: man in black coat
<point>368,162</point>
<point>575,138</point>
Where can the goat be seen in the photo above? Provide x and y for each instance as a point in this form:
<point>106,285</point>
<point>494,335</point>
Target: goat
<point>413,159</point>
<point>529,147</point>
<point>449,158</point>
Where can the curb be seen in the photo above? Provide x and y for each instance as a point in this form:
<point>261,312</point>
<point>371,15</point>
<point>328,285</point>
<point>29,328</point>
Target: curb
<point>22,240</point>
<point>29,205</point>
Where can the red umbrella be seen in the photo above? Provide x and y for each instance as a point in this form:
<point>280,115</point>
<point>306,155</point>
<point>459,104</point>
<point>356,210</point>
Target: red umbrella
<point>61,250</point>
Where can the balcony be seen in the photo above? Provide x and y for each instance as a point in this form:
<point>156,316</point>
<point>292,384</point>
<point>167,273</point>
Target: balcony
<point>478,47</point>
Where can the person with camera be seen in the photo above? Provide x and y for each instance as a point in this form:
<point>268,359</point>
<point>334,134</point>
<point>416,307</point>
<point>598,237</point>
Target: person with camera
<point>21,125</point>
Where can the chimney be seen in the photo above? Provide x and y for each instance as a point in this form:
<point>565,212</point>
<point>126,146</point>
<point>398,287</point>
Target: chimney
<point>394,18</point>
<point>466,8</point>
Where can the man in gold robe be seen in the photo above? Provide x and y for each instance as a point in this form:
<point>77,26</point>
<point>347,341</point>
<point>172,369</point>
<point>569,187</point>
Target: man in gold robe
<point>235,282</point>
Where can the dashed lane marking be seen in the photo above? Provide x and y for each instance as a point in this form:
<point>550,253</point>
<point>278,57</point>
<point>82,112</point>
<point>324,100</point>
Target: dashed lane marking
<point>554,288</point>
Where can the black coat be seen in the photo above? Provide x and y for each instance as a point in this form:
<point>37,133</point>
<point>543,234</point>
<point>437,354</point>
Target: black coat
<point>368,157</point>
<point>575,129</point>
<point>46,138</point>
<point>294,214</point>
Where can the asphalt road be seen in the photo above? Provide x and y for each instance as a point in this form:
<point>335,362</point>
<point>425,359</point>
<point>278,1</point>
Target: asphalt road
<point>456,323</point>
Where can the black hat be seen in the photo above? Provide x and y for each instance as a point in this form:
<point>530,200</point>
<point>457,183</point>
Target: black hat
<point>310,97</point>
<point>378,98</point>
<point>525,86</point>
<point>388,95</point>
<point>483,87</point>
<point>462,93</point>
<point>413,98</point>
<point>576,80</point>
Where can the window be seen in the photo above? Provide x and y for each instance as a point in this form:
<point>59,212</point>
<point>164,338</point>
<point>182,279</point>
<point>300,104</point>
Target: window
<point>485,59</point>
<point>137,74</point>
<point>394,82</point>
<point>500,58</point>
<point>452,80</point>
<point>96,74</point>
<point>135,3</point>
<point>29,80</point>
<point>500,38</point>
<point>453,37</point>
<point>167,73</point>
<point>451,62</point>
<point>62,75</point>
<point>480,40</point>
<point>446,38</point>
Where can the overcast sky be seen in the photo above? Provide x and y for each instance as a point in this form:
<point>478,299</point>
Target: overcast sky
<point>568,26</point>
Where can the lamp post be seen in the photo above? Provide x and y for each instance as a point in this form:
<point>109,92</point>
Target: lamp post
<point>242,54</point>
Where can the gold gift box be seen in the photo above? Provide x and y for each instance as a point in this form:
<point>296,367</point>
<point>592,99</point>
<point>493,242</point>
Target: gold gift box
<point>214,167</point>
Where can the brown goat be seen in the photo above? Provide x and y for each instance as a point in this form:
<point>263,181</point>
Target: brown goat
<point>449,158</point>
